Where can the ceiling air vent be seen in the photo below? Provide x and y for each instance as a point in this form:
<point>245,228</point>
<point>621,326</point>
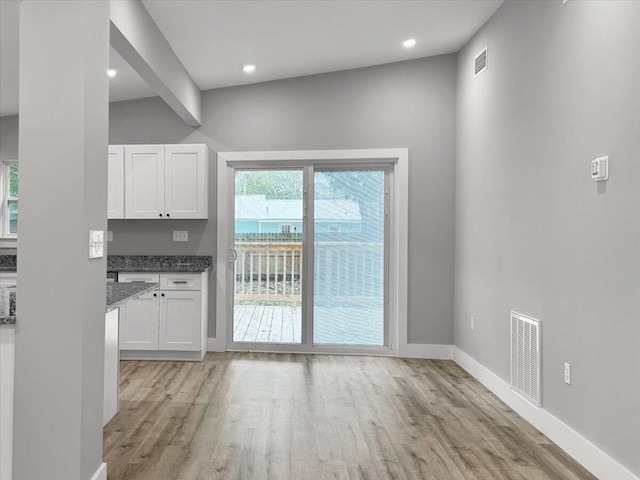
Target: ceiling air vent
<point>480,63</point>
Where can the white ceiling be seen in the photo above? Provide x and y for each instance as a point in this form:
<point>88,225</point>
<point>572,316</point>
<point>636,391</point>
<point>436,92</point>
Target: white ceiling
<point>214,39</point>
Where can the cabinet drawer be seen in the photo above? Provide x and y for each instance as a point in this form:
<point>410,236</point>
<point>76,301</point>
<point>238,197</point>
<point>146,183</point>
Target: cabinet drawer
<point>180,281</point>
<point>139,277</point>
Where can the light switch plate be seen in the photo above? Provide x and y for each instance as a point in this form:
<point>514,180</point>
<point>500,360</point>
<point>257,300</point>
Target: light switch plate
<point>180,236</point>
<point>109,235</point>
<point>600,169</point>
<point>96,243</point>
<point>567,373</point>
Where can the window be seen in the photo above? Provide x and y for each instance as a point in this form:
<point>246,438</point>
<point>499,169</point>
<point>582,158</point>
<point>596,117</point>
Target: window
<point>285,228</point>
<point>9,193</point>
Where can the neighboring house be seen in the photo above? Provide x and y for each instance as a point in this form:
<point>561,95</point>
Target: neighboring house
<point>258,214</point>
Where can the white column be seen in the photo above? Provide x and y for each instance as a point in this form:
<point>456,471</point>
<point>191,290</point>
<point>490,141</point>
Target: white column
<point>63,131</point>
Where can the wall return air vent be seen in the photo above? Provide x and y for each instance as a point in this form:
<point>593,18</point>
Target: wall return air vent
<point>480,63</point>
<point>525,357</point>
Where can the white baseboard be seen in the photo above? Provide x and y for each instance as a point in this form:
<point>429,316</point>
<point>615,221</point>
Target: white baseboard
<point>164,355</point>
<point>216,344</point>
<point>585,452</point>
<point>101,473</point>
<point>410,350</point>
<point>427,351</point>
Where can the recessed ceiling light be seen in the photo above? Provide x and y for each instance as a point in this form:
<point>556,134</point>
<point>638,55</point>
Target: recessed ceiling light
<point>111,73</point>
<point>410,43</point>
<point>249,68</point>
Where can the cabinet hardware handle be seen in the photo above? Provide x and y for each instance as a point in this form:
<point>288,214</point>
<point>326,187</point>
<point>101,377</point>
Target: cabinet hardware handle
<point>155,294</point>
<point>159,214</point>
<point>163,294</point>
<point>167,214</point>
<point>179,281</point>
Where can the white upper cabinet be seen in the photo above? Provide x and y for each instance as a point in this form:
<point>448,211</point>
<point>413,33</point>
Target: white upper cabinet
<point>185,181</point>
<point>165,181</point>
<point>144,181</point>
<point>115,182</point>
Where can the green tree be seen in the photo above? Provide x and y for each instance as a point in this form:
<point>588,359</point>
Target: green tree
<point>13,180</point>
<point>278,185</point>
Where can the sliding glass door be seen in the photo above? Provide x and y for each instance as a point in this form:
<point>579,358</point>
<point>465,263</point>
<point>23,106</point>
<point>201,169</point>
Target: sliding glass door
<point>349,228</point>
<point>310,257</point>
<point>268,256</point>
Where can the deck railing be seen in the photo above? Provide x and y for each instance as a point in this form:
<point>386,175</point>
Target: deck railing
<point>268,271</point>
<point>271,271</point>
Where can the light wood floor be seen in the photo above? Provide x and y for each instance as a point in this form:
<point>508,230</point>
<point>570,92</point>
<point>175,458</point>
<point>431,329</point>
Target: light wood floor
<point>279,416</point>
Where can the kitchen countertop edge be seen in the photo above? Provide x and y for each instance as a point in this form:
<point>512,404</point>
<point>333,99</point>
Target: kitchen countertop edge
<point>133,291</point>
<point>127,293</point>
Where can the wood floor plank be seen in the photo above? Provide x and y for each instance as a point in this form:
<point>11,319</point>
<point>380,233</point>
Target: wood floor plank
<point>264,331</point>
<point>275,333</point>
<point>305,417</point>
<point>242,316</point>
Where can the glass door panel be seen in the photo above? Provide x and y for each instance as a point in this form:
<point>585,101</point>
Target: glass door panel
<point>349,257</point>
<point>268,265</point>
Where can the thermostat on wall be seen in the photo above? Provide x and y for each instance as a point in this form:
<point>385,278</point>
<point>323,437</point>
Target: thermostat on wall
<point>600,169</point>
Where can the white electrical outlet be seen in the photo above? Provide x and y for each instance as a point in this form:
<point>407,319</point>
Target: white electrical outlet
<point>109,235</point>
<point>473,321</point>
<point>180,236</point>
<point>567,373</point>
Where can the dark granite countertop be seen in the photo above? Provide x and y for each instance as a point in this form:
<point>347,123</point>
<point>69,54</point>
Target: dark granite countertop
<point>138,263</point>
<point>158,263</point>
<point>7,305</point>
<point>120,293</point>
<point>8,263</point>
<point>117,295</point>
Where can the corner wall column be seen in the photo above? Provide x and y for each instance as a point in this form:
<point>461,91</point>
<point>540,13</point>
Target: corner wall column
<point>63,131</point>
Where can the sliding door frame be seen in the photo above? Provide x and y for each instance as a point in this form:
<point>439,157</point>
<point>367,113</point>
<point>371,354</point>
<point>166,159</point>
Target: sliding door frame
<point>396,160</point>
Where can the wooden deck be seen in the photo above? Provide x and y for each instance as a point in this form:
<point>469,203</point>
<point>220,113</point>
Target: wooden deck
<point>269,324</point>
<point>333,325</point>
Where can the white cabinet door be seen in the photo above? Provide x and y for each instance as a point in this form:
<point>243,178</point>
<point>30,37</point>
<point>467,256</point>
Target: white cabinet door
<point>180,320</point>
<point>139,323</point>
<point>186,168</point>
<point>144,181</point>
<point>115,182</point>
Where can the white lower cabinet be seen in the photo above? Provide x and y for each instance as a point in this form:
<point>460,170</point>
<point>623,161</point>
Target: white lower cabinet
<point>139,323</point>
<point>180,320</point>
<point>170,323</point>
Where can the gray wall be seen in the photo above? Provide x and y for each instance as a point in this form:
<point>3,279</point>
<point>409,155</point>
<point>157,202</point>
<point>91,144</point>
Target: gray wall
<point>59,351</point>
<point>533,232</point>
<point>9,138</point>
<point>408,104</point>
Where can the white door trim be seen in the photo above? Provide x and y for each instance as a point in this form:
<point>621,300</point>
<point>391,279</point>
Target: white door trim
<point>398,280</point>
